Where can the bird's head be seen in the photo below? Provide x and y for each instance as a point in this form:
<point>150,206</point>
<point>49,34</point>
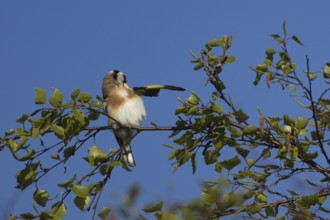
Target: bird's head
<point>114,79</point>
<point>118,78</point>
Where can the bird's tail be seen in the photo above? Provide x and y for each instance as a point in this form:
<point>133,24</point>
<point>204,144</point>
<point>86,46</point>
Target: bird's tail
<point>128,156</point>
<point>153,90</point>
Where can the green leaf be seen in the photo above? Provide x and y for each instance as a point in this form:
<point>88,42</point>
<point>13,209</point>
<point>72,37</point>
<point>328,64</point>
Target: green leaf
<point>105,169</point>
<point>315,137</point>
<point>242,152</point>
<point>241,116</point>
<point>231,163</point>
<point>235,133</point>
<point>258,76</point>
<point>270,52</point>
<point>232,199</point>
<point>193,54</point>
<point>169,146</point>
<point>312,76</point>
<point>296,39</point>
<point>211,156</point>
<point>9,132</point>
<point>193,162</point>
<point>311,156</point>
<point>67,183</point>
<point>218,142</point>
<point>302,122</point>
<point>284,58</point>
<point>96,155</point>
<point>56,99</point>
<point>183,156</point>
<point>79,190</point>
<point>58,210</point>
<point>82,203</point>
<point>288,121</point>
<point>23,118</point>
<point>199,66</point>
<point>216,107</point>
<point>193,110</point>
<point>180,109</point>
<point>218,167</point>
<point>27,156</point>
<point>262,198</point>
<point>286,69</point>
<point>41,197</point>
<point>75,94</point>
<point>215,43</point>
<point>57,129</point>
<point>209,196</point>
<point>14,147</point>
<point>301,104</point>
<point>104,213</point>
<point>277,38</point>
<point>270,212</point>
<point>93,115</point>
<point>193,99</point>
<point>292,193</point>
<point>84,97</point>
<point>231,59</point>
<point>266,153</point>
<point>115,163</point>
<point>79,116</point>
<point>322,199</point>
<point>308,201</point>
<point>154,208</point>
<point>27,216</point>
<point>172,155</point>
<point>40,96</point>
<point>250,162</point>
<point>27,176</point>
<point>268,62</point>
<point>284,28</point>
<point>326,71</point>
<point>325,103</point>
<point>55,156</point>
<point>262,68</point>
<point>68,152</point>
<point>253,209</point>
<point>35,133</point>
<point>249,130</point>
<point>45,215</point>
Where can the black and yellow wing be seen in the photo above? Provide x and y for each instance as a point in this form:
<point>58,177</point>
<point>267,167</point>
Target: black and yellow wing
<point>153,90</point>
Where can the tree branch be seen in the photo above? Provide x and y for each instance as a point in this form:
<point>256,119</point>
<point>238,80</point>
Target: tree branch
<point>167,128</point>
<point>313,105</point>
<point>275,205</point>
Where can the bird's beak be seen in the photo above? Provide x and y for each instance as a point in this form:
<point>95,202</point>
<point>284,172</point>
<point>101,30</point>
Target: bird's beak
<point>125,85</point>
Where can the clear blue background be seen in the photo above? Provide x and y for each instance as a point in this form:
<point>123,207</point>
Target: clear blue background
<point>70,44</point>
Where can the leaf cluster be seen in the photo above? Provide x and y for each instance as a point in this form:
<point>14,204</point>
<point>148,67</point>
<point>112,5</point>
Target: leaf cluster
<point>68,122</point>
<point>257,160</point>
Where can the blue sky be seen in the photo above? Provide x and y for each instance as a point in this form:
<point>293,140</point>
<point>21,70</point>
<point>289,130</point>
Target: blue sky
<point>70,44</point>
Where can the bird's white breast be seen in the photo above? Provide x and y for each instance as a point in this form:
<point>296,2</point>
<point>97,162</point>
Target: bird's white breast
<point>131,112</point>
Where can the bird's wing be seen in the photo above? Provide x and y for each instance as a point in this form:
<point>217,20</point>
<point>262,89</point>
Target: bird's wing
<point>153,90</point>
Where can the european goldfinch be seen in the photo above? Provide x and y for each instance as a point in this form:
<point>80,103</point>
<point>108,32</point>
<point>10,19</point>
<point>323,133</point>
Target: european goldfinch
<point>125,108</point>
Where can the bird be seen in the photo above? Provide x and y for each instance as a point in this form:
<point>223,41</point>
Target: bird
<point>125,108</point>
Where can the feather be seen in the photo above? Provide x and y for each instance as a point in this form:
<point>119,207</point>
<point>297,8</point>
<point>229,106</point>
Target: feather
<point>153,90</point>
